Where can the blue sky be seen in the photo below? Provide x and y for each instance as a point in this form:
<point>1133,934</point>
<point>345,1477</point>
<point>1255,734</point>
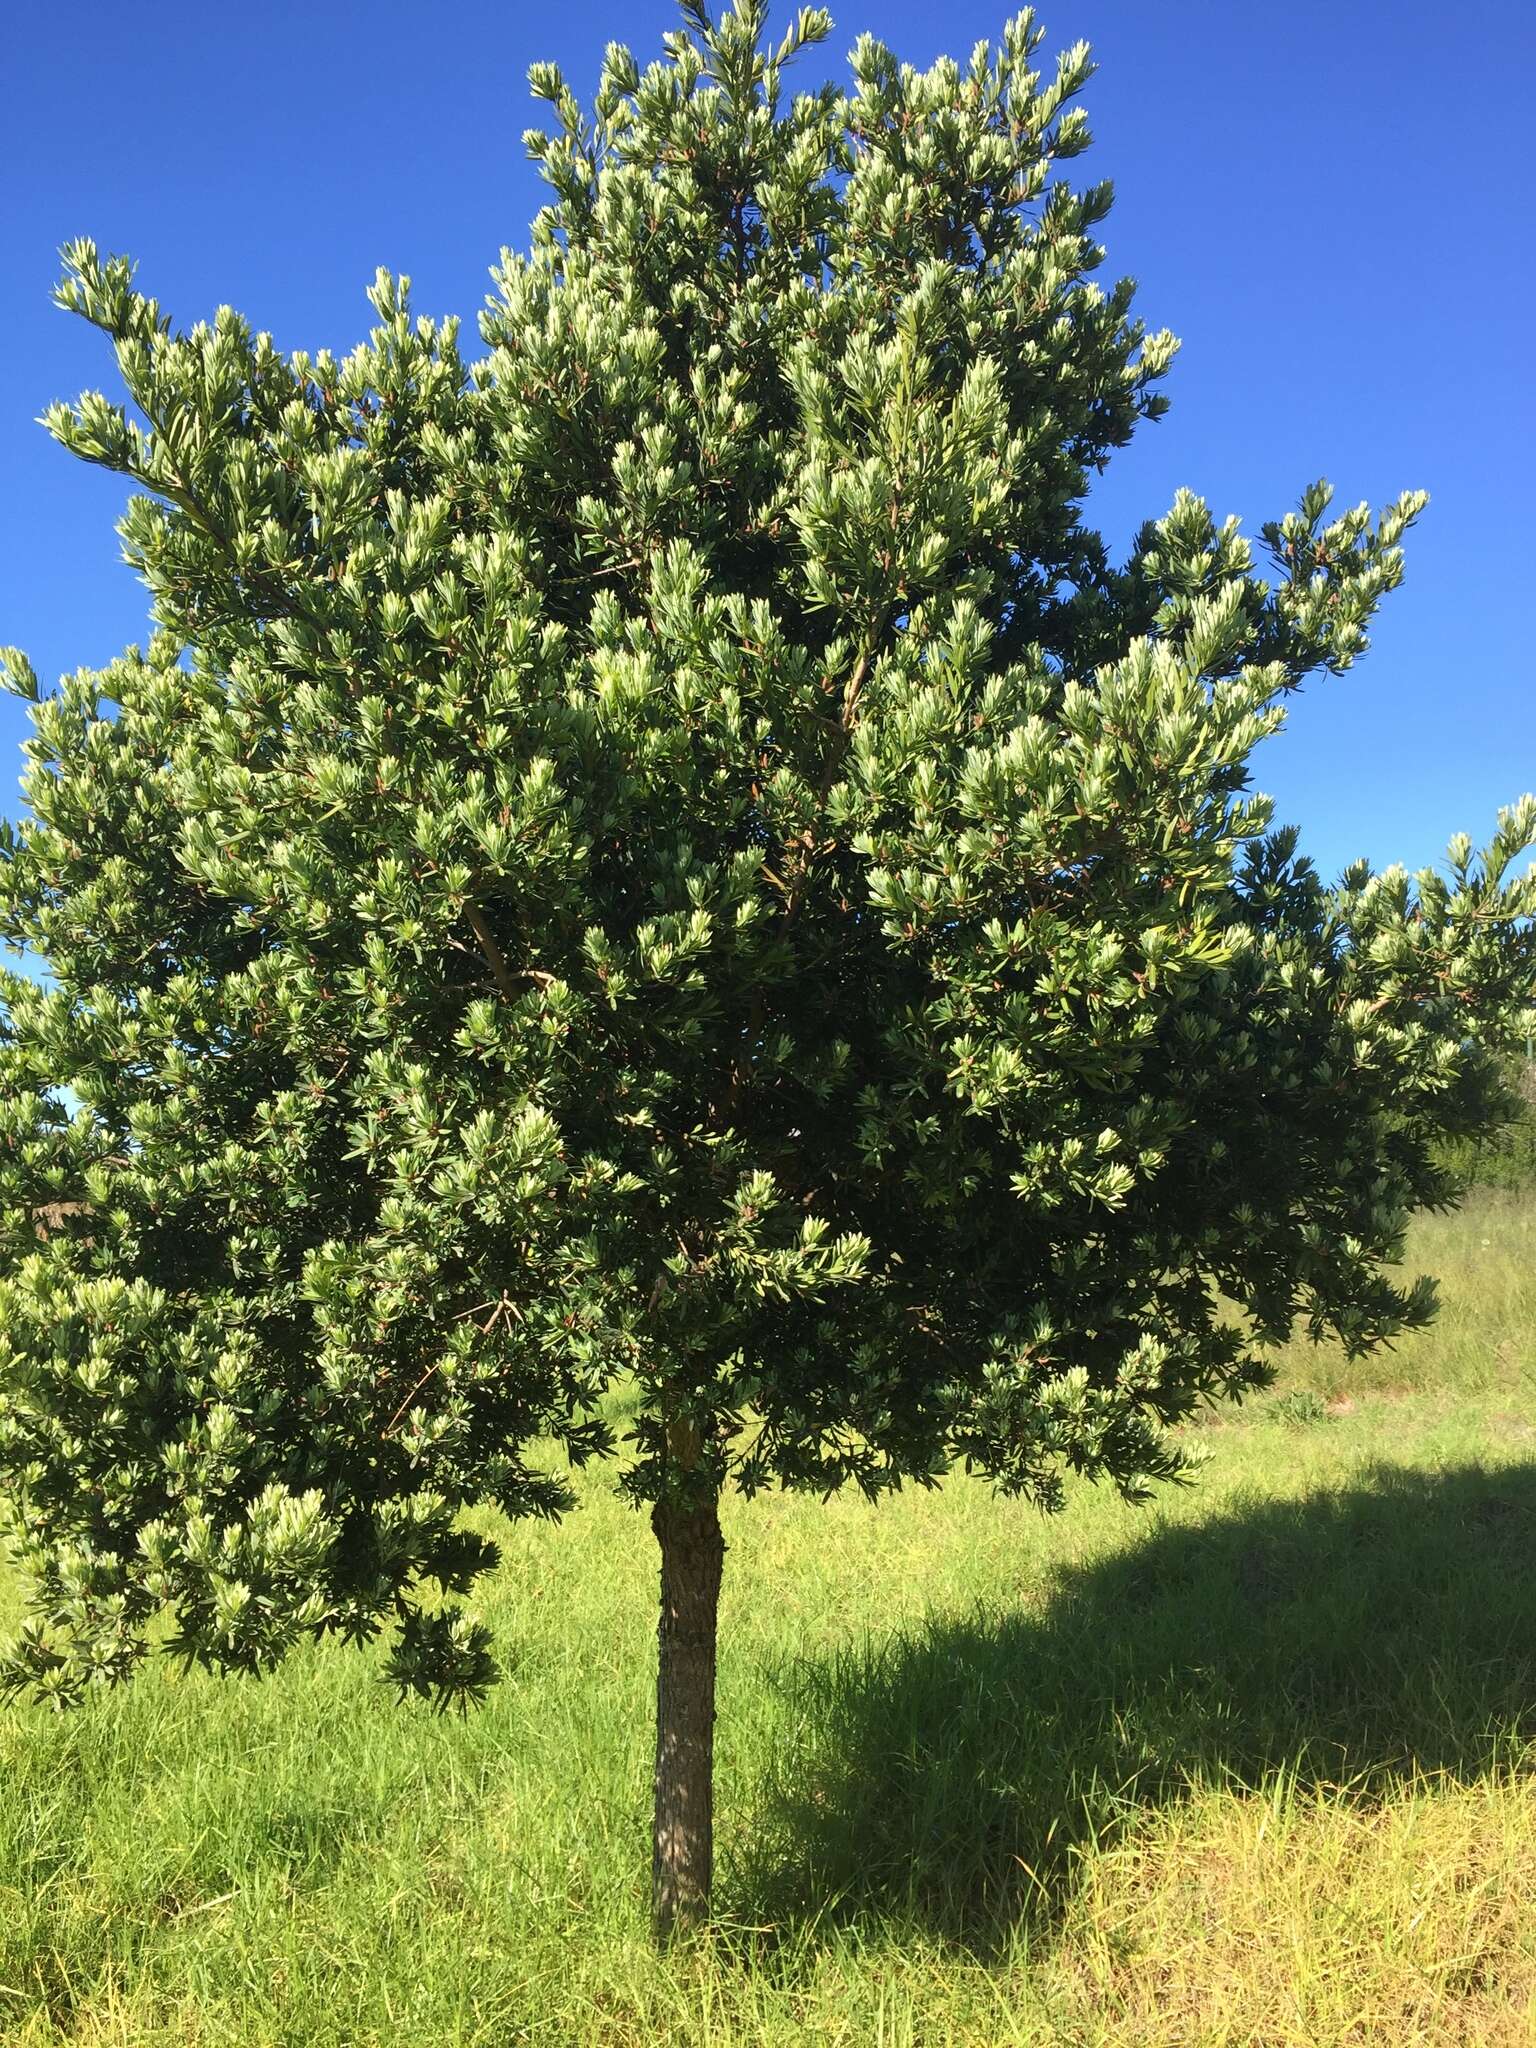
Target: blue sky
<point>1330,203</point>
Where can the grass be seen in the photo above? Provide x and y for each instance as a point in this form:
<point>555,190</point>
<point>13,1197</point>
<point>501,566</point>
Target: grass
<point>1253,1766</point>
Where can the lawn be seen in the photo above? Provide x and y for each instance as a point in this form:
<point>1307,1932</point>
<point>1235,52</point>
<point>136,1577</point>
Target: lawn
<point>1250,1766</point>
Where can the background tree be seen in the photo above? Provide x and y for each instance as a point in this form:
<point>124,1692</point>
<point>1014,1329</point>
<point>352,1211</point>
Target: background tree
<point>668,859</point>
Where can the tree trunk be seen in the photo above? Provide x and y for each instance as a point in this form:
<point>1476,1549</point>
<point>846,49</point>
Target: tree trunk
<point>683,1840</point>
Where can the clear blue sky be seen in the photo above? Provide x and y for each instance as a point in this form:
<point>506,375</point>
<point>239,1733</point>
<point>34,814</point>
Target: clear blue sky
<point>1330,203</point>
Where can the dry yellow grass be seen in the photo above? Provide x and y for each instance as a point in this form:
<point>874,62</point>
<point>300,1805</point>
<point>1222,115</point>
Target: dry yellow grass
<point>1313,1922</point>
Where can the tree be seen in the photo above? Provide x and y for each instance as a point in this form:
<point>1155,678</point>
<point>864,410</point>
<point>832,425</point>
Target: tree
<point>668,857</point>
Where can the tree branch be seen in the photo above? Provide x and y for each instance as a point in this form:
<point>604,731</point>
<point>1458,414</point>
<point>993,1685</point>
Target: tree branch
<point>496,960</point>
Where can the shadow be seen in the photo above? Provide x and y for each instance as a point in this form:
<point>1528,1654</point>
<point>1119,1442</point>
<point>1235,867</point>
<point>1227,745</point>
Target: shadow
<point>948,1779</point>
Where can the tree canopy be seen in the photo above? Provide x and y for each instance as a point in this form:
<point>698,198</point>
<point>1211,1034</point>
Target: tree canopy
<point>656,894</point>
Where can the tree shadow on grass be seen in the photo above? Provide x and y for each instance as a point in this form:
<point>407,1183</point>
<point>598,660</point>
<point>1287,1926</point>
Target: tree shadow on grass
<point>944,1781</point>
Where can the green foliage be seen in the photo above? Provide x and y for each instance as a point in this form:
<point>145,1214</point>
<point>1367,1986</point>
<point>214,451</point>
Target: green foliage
<point>1506,1156</point>
<point>1299,1408</point>
<point>668,853</point>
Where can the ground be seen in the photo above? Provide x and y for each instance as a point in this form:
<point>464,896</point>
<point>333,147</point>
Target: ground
<point>1252,1766</point>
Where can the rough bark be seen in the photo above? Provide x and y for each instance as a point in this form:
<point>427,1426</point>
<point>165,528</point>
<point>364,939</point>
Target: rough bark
<point>682,1859</point>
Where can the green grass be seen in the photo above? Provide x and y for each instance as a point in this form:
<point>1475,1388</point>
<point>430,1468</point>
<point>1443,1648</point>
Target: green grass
<point>1251,1766</point>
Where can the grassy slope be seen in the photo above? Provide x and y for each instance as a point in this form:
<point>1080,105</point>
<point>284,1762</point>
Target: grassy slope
<point>1249,1767</point>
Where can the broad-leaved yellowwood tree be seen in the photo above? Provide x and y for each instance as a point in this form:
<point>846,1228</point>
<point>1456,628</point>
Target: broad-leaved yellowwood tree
<point>658,869</point>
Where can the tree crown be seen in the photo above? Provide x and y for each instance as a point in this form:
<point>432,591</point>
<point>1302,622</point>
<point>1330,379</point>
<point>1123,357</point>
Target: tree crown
<point>657,892</point>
